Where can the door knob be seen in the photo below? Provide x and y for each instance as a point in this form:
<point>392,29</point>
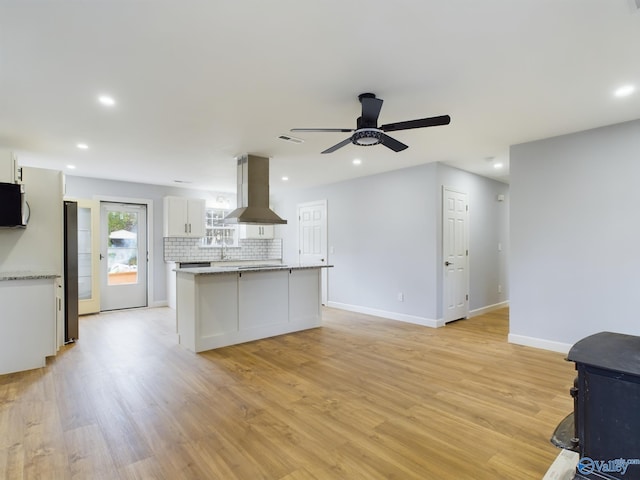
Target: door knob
<point>446,264</point>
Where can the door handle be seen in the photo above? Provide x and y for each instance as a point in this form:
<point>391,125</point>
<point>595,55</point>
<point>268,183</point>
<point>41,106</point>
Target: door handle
<point>101,256</point>
<point>446,264</point>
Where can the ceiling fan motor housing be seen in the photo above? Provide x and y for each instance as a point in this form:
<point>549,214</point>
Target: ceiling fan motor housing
<point>367,137</point>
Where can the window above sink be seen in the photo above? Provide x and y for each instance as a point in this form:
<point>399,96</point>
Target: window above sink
<point>217,234</point>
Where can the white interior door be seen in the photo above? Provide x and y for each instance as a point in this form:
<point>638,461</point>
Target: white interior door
<point>312,238</point>
<point>123,250</point>
<point>455,254</point>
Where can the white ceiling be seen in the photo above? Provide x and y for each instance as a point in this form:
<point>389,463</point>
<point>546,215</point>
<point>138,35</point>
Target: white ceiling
<point>197,82</point>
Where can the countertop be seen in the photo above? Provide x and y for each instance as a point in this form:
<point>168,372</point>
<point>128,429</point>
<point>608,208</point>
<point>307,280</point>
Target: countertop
<point>27,275</point>
<point>249,268</point>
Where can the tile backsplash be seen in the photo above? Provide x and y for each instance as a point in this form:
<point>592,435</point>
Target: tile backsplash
<point>191,250</point>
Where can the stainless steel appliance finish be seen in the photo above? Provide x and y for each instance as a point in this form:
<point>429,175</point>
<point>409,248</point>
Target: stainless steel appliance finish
<point>71,332</point>
<point>14,210</point>
<point>253,193</point>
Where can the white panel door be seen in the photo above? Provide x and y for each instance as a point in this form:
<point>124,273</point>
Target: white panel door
<point>312,238</point>
<point>123,253</point>
<point>455,253</point>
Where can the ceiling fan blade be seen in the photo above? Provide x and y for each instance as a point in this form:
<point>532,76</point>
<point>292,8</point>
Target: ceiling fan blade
<point>346,130</point>
<point>370,110</point>
<point>420,123</point>
<point>339,145</point>
<point>392,143</point>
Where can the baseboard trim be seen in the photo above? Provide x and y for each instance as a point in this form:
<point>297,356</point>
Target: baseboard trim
<point>401,317</point>
<point>162,303</point>
<point>488,308</point>
<point>539,343</point>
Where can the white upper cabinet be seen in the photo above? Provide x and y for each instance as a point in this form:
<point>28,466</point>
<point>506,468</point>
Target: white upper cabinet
<point>184,217</point>
<point>9,171</point>
<point>256,231</point>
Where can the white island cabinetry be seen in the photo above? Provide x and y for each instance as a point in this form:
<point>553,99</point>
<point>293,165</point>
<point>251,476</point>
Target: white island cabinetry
<point>304,285</point>
<point>217,307</point>
<point>263,299</point>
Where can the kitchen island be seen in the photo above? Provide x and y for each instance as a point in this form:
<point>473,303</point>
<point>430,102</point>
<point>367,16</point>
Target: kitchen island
<point>221,306</point>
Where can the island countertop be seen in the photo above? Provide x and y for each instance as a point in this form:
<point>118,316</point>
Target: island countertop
<point>249,268</point>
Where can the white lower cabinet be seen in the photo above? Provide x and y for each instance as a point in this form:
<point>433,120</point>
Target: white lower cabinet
<point>27,324</point>
<point>304,292</point>
<point>218,306</point>
<point>263,298</point>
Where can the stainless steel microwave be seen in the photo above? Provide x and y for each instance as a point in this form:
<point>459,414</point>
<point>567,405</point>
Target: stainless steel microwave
<point>14,211</point>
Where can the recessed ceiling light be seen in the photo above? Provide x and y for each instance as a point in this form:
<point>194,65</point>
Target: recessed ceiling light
<point>498,165</point>
<point>284,179</point>
<point>106,100</point>
<point>71,167</point>
<point>624,91</point>
<point>357,161</point>
<point>82,146</point>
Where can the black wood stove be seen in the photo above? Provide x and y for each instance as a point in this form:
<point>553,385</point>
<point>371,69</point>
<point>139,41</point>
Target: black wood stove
<point>604,427</point>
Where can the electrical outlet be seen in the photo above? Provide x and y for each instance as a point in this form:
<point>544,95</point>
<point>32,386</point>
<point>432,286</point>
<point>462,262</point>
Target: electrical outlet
<point>499,288</point>
<point>401,297</point>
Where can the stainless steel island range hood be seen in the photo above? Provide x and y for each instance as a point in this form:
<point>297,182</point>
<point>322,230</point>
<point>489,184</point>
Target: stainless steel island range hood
<point>253,193</point>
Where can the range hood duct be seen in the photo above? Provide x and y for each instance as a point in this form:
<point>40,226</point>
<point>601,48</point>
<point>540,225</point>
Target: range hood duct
<point>253,193</point>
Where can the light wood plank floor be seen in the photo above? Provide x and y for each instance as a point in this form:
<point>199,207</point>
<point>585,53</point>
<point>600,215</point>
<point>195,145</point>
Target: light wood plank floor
<point>360,398</point>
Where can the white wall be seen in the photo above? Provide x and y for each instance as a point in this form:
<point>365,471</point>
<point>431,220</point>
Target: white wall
<point>386,233</point>
<point>575,229</point>
<point>39,246</point>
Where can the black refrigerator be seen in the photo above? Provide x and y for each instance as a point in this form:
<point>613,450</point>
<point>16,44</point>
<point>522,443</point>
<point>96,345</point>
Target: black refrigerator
<point>70,271</point>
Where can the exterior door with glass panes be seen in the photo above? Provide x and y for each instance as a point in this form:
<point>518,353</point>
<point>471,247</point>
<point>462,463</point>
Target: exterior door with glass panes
<point>123,249</point>
<point>217,234</point>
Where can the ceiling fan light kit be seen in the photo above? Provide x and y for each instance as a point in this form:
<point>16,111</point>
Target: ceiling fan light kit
<point>367,137</point>
<point>368,133</point>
